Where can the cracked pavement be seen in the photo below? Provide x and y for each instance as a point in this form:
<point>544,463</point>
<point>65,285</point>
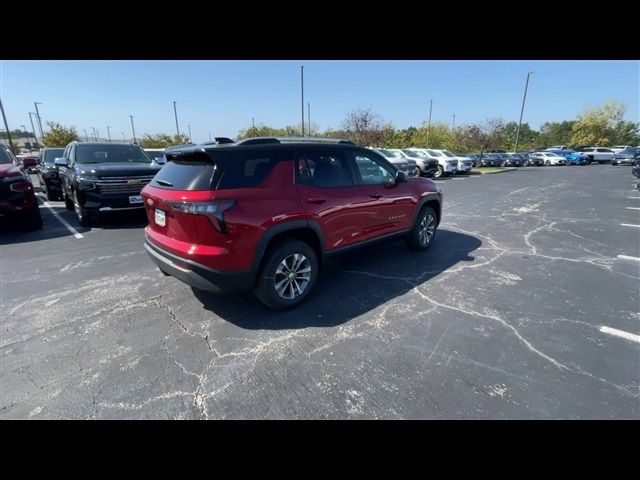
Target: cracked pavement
<point>499,319</point>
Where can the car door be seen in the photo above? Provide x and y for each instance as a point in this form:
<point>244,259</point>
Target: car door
<point>326,188</point>
<point>390,203</point>
<point>65,172</point>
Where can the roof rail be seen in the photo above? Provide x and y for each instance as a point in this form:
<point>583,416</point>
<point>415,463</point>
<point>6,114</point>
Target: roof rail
<point>280,140</point>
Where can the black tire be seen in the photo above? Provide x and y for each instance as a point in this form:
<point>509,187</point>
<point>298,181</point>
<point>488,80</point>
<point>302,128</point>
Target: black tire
<point>84,219</point>
<point>32,220</point>
<point>272,274</point>
<point>439,172</point>
<point>418,239</point>
<point>547,163</point>
<point>51,196</point>
<point>68,203</point>
<point>418,172</point>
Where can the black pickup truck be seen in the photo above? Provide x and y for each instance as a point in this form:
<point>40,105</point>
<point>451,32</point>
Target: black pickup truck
<point>103,177</point>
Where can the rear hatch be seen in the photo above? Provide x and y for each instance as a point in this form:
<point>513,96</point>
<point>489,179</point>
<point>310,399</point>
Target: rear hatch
<point>186,183</point>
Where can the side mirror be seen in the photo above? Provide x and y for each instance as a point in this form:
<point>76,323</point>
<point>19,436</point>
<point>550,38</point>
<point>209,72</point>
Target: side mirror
<point>60,162</point>
<point>400,176</point>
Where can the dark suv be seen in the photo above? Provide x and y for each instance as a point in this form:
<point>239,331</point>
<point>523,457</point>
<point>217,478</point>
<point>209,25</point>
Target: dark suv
<point>48,172</point>
<point>103,177</point>
<point>262,214</point>
<point>17,197</point>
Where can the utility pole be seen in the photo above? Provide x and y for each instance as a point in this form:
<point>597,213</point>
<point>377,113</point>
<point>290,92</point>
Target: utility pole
<point>209,136</point>
<point>95,137</point>
<point>133,129</point>
<point>86,137</point>
<point>190,141</point>
<point>97,134</point>
<point>109,133</point>
<point>6,126</point>
<point>302,94</point>
<point>253,123</point>
<point>32,127</point>
<point>524,97</point>
<point>39,119</point>
<point>453,124</point>
<point>26,132</point>
<point>429,128</point>
<point>175,112</point>
<point>309,118</point>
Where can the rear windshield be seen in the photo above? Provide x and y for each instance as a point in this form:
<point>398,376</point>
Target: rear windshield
<point>51,154</point>
<point>196,171</point>
<point>110,154</point>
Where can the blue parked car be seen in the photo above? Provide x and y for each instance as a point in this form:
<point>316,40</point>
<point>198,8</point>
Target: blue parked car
<point>575,158</point>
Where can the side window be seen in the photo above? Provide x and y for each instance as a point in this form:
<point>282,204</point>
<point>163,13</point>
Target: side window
<point>247,169</point>
<point>372,169</point>
<point>323,168</point>
<point>72,155</point>
<point>604,150</point>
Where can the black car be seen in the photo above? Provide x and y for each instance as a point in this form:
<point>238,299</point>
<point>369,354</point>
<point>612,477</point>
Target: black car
<point>48,173</point>
<point>636,168</point>
<point>512,160</point>
<point>490,160</point>
<point>103,177</point>
<point>532,161</point>
<point>626,156</point>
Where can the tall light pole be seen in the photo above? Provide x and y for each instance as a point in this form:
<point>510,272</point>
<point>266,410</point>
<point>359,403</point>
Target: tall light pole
<point>109,133</point>
<point>189,133</point>
<point>39,119</point>
<point>86,137</point>
<point>453,123</point>
<point>32,127</point>
<point>429,127</point>
<point>133,129</point>
<point>253,123</point>
<point>309,118</point>
<point>524,97</point>
<point>124,139</point>
<point>209,136</point>
<point>97,134</point>
<point>6,126</point>
<point>95,137</point>
<point>302,95</point>
<point>175,112</point>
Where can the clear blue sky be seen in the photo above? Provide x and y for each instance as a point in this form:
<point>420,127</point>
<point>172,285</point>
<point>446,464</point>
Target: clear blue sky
<point>221,96</point>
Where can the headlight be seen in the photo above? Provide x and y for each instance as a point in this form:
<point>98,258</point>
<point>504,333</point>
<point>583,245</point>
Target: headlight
<point>87,178</point>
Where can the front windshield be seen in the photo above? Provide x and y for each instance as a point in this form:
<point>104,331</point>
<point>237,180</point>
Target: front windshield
<point>51,154</point>
<point>412,153</point>
<point>448,154</point>
<point>4,157</point>
<point>90,153</point>
<point>551,154</point>
<point>433,153</point>
<point>390,153</point>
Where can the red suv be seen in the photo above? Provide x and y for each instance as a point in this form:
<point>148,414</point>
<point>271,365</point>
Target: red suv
<point>263,213</point>
<point>17,197</point>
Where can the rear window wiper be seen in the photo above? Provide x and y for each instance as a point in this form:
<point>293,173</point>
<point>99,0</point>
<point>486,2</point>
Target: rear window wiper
<point>165,183</point>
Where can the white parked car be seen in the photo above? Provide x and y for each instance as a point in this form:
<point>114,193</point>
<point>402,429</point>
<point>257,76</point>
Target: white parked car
<point>464,163</point>
<point>550,158</point>
<point>446,165</point>
<point>599,154</point>
<point>619,148</point>
<point>399,159</point>
<point>156,154</point>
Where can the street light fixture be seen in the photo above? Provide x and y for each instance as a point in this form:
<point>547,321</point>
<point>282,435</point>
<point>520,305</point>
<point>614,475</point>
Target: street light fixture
<point>32,127</point>
<point>524,97</point>
<point>95,137</point>
<point>189,133</point>
<point>26,132</point>
<point>175,113</point>
<point>86,136</point>
<point>109,133</point>
<point>124,139</point>
<point>453,123</point>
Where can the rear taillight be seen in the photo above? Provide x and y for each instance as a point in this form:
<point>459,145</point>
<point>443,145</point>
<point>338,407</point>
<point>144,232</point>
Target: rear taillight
<point>214,211</point>
<point>21,187</point>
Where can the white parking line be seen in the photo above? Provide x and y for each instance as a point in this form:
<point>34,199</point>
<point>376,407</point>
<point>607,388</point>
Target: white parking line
<point>620,333</point>
<point>629,225</point>
<point>633,208</point>
<point>63,221</point>
<point>627,257</point>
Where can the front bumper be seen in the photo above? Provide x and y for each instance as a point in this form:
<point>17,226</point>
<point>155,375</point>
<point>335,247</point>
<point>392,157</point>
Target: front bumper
<point>93,201</point>
<point>197,275</point>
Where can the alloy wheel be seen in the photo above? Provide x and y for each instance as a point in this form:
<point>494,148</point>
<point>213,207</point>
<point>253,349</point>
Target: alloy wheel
<point>427,229</point>
<point>292,276</point>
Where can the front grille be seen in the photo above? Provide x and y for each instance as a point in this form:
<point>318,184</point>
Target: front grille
<point>122,185</point>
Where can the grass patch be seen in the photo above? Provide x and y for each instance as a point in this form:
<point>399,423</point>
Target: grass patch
<point>482,170</point>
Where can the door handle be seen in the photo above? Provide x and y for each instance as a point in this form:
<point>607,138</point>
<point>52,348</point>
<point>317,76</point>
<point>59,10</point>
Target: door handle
<point>316,200</point>
<point>376,195</point>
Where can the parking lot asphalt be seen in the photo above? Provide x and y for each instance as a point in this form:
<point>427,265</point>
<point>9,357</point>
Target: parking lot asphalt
<point>514,312</point>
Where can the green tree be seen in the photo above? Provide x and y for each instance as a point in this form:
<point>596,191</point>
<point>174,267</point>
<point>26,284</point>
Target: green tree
<point>526,139</point>
<point>556,133</point>
<point>603,125</point>
<point>58,135</point>
<point>163,140</point>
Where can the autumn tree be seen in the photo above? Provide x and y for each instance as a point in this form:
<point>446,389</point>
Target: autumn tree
<point>364,127</point>
<point>59,135</point>
<point>604,125</point>
<point>163,140</point>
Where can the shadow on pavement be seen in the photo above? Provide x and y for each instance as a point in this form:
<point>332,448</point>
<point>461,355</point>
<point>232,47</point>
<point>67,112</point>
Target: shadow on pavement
<point>341,295</point>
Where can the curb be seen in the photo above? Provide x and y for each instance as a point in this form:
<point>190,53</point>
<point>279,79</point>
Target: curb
<point>508,169</point>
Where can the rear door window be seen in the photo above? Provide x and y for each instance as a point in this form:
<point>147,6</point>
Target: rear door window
<point>247,169</point>
<point>194,171</point>
<point>323,168</point>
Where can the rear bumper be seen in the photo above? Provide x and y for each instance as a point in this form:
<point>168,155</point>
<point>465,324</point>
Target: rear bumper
<point>198,275</point>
